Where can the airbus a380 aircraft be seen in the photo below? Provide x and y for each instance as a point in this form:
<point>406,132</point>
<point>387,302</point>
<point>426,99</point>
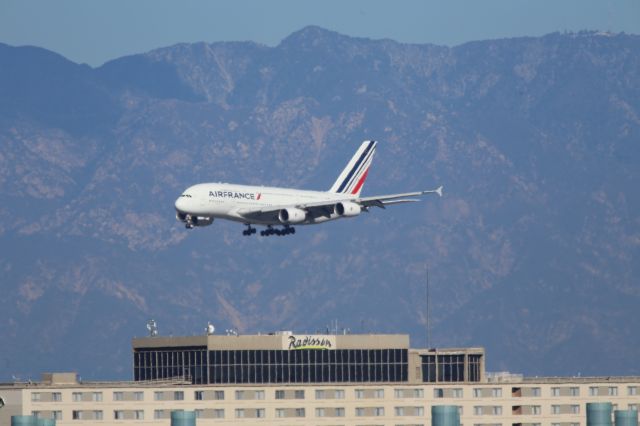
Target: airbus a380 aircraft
<point>261,205</point>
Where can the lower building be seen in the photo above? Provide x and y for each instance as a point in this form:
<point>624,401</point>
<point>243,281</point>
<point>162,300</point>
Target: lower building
<point>285,379</point>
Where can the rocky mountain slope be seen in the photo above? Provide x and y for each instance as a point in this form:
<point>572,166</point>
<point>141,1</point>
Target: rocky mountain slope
<point>532,253</point>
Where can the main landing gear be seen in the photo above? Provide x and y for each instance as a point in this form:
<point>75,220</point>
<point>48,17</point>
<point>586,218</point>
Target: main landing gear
<point>249,231</point>
<point>287,230</point>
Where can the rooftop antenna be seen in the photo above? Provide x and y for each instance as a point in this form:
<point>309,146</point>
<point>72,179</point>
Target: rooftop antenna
<point>210,329</point>
<point>428,322</point>
<point>152,327</point>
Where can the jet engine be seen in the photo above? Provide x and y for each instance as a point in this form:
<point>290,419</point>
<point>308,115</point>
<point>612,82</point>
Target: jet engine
<point>347,209</point>
<point>292,215</point>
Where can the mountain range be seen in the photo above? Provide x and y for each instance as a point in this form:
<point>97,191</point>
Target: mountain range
<point>532,253</point>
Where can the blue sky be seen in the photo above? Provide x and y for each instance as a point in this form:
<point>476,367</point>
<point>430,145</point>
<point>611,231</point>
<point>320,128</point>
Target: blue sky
<point>94,31</point>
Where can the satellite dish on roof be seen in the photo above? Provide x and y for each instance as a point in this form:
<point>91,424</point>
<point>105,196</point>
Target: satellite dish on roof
<point>210,329</point>
<point>152,327</point>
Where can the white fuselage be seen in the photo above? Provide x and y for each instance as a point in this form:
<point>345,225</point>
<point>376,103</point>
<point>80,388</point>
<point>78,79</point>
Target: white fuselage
<point>229,201</point>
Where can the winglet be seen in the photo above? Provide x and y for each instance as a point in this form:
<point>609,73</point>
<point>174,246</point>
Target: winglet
<point>434,191</point>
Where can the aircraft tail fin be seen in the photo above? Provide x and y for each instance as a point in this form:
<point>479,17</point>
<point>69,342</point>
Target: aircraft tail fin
<point>353,176</point>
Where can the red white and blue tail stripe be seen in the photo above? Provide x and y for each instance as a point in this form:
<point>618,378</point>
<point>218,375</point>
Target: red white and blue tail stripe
<point>353,176</point>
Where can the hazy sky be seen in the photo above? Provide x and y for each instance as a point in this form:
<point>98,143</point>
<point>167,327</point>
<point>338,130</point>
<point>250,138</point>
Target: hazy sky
<point>94,31</point>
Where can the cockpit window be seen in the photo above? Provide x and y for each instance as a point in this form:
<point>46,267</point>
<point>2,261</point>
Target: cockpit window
<point>185,195</point>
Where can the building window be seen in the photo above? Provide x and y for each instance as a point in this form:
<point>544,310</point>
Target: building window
<point>239,394</point>
<point>593,391</point>
<point>158,414</point>
<point>613,391</point>
<point>299,394</point>
<point>118,396</point>
<point>320,412</point>
<point>477,410</point>
<point>96,396</point>
<point>279,394</point>
<point>259,394</point>
<point>574,391</point>
<point>35,414</point>
<point>259,412</point>
<point>138,396</point>
<point>279,412</point>
<point>300,412</point>
<point>535,391</point>
<point>178,396</point>
<point>418,393</point>
<point>460,410</point>
<point>218,395</point>
<point>378,411</point>
<point>555,391</point>
<point>399,411</point>
<point>378,393</point>
<point>138,414</point>
<point>118,415</point>
<point>438,393</point>
<point>575,409</point>
<point>535,410</point>
<point>632,390</point>
<point>360,394</point>
<point>77,396</point>
<point>218,413</point>
<point>57,415</point>
<point>76,415</point>
<point>419,411</point>
<point>320,394</point>
<point>632,407</point>
<point>199,413</point>
<point>497,410</point>
<point>359,411</point>
<point>496,392</point>
<point>198,395</point>
<point>456,393</point>
<point>56,397</point>
<point>339,394</point>
<point>158,396</point>
<point>35,397</point>
<point>97,415</point>
<point>477,392</point>
<point>239,413</point>
<point>555,409</point>
<point>340,412</point>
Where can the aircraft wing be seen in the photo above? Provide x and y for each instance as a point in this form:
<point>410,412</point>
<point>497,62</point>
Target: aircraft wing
<point>386,200</point>
<point>325,208</point>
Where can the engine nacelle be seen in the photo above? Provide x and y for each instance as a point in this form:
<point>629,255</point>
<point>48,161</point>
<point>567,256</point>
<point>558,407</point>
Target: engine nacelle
<point>292,215</point>
<point>347,209</point>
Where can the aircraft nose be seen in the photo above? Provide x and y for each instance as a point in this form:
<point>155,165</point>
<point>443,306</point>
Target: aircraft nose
<point>180,204</point>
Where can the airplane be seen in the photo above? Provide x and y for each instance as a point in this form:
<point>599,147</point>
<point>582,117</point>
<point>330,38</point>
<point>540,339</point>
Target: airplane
<point>272,207</point>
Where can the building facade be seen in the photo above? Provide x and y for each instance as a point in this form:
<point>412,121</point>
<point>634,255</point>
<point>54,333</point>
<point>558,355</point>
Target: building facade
<point>366,380</point>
